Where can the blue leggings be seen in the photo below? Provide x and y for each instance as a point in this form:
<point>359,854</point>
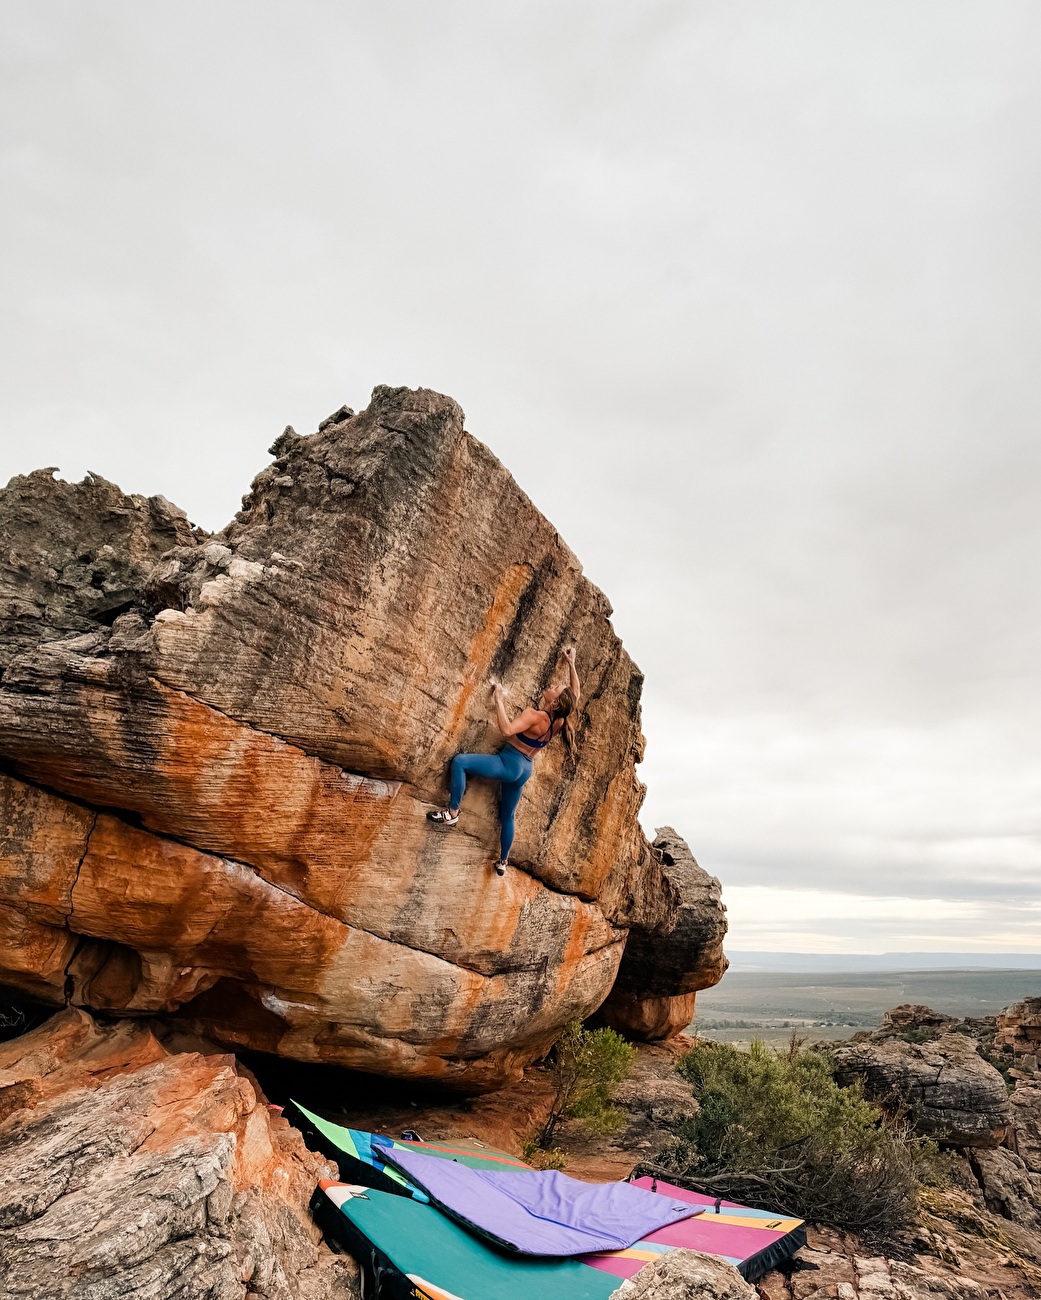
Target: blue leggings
<point>510,768</point>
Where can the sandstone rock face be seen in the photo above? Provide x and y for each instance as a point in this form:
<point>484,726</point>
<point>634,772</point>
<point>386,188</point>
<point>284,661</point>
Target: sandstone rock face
<point>1019,1029</point>
<point>660,975</point>
<point>1010,1189</point>
<point>1025,1104</point>
<point>129,1170</point>
<point>949,1090</point>
<point>76,555</point>
<point>215,798</point>
<point>686,1275</point>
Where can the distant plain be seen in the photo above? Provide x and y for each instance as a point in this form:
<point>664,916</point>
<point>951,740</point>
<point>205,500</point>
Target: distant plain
<point>832,1005</point>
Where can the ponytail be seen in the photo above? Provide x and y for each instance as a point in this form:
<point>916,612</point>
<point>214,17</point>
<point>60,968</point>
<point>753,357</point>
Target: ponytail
<point>565,709</point>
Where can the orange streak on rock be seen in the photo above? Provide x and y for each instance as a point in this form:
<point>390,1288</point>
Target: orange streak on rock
<point>486,642</point>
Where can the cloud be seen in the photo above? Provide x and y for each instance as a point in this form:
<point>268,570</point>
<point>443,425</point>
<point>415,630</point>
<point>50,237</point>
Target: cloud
<point>746,297</point>
<point>799,920</point>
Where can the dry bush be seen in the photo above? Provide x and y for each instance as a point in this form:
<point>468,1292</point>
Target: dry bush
<point>775,1130</point>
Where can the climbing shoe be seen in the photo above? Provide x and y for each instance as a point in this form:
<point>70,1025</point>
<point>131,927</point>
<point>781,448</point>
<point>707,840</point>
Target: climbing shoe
<point>443,817</point>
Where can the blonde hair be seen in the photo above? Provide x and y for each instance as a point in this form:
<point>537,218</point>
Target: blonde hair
<point>565,707</point>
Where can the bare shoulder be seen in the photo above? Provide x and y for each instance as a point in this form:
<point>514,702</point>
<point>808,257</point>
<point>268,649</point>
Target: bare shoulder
<point>525,719</point>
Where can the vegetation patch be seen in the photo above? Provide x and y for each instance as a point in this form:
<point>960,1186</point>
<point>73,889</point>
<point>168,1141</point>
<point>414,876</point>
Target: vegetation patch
<point>586,1065</point>
<point>775,1130</point>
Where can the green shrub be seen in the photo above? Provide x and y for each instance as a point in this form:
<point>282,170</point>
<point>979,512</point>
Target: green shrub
<point>586,1065</point>
<point>775,1129</point>
<point>554,1158</point>
<point>917,1036</point>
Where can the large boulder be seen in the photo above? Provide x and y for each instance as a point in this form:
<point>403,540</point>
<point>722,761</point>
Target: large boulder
<point>945,1086</point>
<point>660,975</point>
<point>915,1018</point>
<point>129,1169</point>
<point>216,789</point>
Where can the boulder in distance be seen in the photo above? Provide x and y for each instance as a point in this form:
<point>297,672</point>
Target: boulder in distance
<point>948,1090</point>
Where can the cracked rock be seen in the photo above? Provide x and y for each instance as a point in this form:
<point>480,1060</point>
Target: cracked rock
<point>138,1172</point>
<point>945,1086</point>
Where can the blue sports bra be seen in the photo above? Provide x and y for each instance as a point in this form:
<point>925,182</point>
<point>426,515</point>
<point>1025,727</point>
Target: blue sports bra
<point>542,741</point>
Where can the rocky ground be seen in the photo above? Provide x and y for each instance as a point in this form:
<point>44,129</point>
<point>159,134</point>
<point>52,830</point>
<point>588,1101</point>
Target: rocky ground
<point>135,1161</point>
<point>981,1234</point>
<point>971,1263</point>
<point>129,1168</point>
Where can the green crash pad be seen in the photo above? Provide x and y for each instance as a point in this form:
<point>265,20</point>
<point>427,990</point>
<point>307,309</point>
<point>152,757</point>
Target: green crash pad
<point>441,1260</point>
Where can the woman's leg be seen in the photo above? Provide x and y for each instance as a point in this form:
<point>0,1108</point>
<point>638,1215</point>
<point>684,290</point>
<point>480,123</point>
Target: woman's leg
<point>511,786</point>
<point>490,766</point>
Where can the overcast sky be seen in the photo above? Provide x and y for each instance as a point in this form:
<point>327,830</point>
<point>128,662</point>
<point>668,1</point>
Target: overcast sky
<point>746,295</point>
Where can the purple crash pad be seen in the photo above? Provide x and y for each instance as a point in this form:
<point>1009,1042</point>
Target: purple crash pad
<point>537,1212</point>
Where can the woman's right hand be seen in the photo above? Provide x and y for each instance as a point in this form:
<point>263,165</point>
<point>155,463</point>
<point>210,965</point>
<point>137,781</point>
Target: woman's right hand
<point>569,655</point>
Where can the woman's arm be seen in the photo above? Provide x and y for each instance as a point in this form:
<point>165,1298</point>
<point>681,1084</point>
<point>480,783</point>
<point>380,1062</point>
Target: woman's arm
<point>525,719</point>
<point>569,655</point>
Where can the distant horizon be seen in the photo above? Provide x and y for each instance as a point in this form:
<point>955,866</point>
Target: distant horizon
<point>779,959</point>
<point>889,952</point>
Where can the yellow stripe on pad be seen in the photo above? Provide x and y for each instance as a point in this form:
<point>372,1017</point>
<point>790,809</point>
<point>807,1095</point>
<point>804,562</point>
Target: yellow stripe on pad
<point>746,1221</point>
<point>636,1252</point>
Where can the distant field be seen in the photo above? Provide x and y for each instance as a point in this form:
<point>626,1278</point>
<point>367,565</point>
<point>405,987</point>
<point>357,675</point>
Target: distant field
<point>832,1005</point>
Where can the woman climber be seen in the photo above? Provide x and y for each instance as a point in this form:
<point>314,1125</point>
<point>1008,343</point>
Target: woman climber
<point>530,731</point>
